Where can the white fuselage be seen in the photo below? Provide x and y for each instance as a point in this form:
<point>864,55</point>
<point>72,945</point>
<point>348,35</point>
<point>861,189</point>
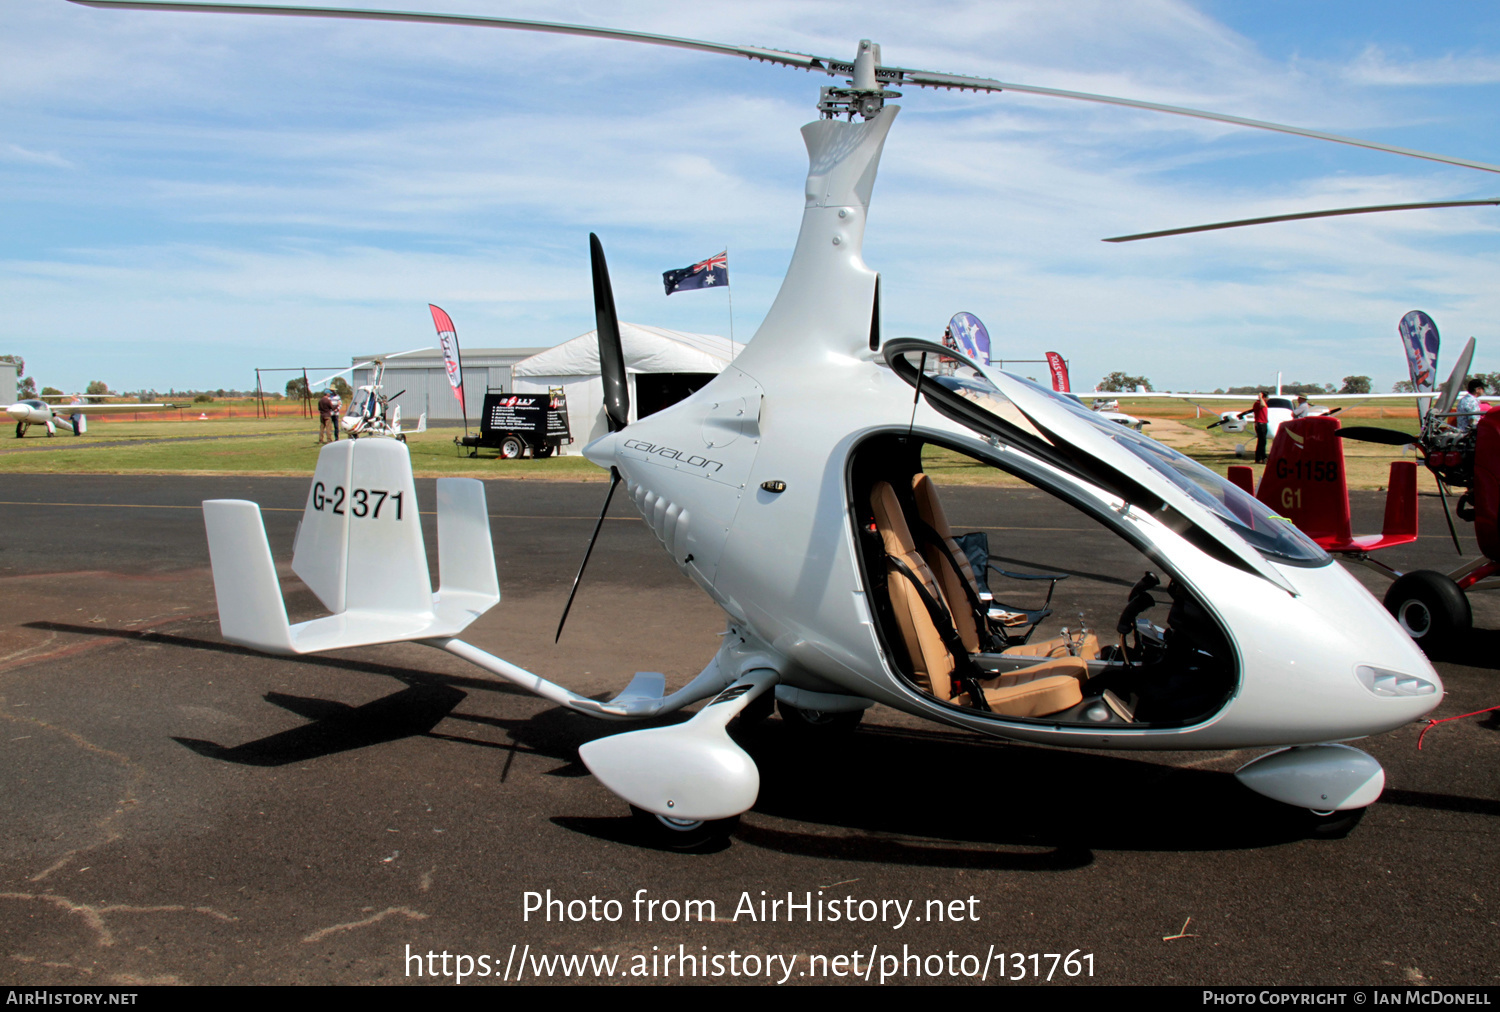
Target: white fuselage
<point>783,565</point>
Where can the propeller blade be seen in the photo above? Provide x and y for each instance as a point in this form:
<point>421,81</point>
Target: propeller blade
<point>1371,434</point>
<point>834,68</point>
<point>614,479</point>
<point>611,355</point>
<point>1455,380</point>
<point>1339,212</point>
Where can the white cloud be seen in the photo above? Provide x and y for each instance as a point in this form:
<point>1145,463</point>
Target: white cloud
<point>16,153</point>
<point>250,187</point>
<point>1373,66</point>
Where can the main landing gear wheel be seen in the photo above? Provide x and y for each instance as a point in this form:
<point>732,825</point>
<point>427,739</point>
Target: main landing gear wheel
<point>1431,608</point>
<point>1331,825</point>
<point>819,721</point>
<point>401,438</point>
<point>511,447</point>
<point>683,834</point>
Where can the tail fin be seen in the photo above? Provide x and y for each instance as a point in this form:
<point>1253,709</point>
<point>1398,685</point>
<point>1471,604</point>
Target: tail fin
<point>1400,504</point>
<point>421,423</point>
<point>361,552</point>
<point>251,611</point>
<point>1304,479</point>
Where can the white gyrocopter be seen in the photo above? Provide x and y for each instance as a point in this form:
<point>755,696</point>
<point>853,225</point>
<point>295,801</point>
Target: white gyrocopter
<point>800,500</point>
<point>371,414</point>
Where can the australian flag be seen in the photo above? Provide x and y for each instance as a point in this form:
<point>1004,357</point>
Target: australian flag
<point>711,273</point>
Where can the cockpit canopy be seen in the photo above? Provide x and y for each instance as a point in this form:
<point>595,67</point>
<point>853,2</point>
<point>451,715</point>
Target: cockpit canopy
<point>1141,471</point>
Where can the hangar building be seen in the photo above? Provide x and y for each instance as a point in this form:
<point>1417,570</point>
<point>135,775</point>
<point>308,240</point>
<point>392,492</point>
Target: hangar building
<point>663,367</point>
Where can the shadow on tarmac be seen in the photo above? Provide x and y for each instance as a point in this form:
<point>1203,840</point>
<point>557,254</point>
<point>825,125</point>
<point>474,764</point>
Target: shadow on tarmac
<point>891,795</point>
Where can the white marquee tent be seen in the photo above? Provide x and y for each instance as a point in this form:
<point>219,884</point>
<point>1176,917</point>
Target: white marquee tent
<point>671,362</point>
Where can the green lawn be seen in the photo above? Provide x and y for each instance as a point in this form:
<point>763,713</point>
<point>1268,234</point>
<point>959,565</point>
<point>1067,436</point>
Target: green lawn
<point>248,446</point>
<point>289,446</point>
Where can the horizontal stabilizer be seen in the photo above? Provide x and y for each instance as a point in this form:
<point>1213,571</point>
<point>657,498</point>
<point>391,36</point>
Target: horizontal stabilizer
<point>360,549</point>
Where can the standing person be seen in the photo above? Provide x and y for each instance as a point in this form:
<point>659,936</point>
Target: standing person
<point>1468,408</point>
<point>338,413</point>
<point>1261,412</point>
<point>1302,409</point>
<point>325,411</point>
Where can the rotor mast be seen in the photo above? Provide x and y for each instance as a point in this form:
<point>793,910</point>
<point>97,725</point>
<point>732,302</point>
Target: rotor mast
<point>866,93</point>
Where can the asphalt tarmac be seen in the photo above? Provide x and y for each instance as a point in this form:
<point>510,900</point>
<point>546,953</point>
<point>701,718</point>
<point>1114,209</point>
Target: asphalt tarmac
<point>181,810</point>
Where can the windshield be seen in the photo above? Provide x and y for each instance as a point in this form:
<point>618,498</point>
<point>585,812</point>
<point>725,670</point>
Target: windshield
<point>1245,515</point>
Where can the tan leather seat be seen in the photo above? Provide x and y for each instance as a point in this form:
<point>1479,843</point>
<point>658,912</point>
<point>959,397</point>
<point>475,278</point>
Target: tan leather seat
<point>946,559</point>
<point>1048,687</point>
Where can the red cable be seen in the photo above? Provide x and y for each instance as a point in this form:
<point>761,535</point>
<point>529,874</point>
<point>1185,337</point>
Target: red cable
<point>1433,723</point>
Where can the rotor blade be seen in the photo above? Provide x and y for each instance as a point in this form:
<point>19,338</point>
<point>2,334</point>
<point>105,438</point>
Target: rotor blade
<point>925,79</point>
<point>800,60</point>
<point>832,67</point>
<point>1298,217</point>
<point>614,479</point>
<point>611,355</point>
<point>1371,434</point>
<point>360,365</point>
<point>332,376</point>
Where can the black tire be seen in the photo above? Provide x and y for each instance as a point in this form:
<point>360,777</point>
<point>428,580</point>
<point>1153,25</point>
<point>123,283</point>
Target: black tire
<point>1331,825</point>
<point>819,721</point>
<point>511,448</point>
<point>401,437</point>
<point>1432,609</point>
<point>542,451</point>
<point>678,834</point>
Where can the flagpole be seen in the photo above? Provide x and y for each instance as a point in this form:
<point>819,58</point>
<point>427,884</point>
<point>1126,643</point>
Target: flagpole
<point>730,289</point>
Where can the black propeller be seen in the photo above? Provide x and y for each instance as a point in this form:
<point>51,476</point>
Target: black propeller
<point>616,392</point>
<point>1371,434</point>
<point>611,356</point>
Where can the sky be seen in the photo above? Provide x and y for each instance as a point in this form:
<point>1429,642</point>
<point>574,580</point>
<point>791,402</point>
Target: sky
<point>187,197</point>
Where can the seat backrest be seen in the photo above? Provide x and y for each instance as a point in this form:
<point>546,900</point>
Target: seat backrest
<point>932,663</point>
<point>947,560</point>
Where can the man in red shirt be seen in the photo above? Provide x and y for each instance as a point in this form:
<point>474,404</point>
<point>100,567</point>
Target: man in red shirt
<point>1261,412</point>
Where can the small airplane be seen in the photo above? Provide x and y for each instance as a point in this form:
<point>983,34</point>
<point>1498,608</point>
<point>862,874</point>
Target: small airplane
<point>73,416</point>
<point>371,414</point>
<point>804,508</point>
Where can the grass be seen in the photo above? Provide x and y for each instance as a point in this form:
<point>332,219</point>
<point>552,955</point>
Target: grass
<point>277,446</point>
<point>244,444</point>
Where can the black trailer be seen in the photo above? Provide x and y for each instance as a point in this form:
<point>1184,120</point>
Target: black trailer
<point>516,424</point>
